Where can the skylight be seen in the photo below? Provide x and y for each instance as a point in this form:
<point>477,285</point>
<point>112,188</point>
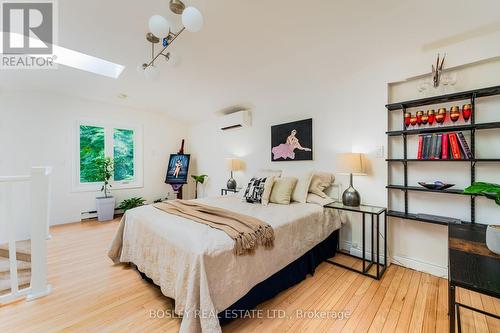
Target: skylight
<point>78,60</point>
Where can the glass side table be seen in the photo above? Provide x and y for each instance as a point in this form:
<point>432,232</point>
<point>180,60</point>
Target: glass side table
<point>225,191</point>
<point>374,213</point>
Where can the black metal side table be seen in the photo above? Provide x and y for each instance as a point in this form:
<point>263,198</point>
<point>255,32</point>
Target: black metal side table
<point>225,191</point>
<point>471,266</point>
<point>374,213</point>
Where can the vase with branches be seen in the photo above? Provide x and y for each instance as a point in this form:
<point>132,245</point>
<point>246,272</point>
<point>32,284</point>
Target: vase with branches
<point>198,179</point>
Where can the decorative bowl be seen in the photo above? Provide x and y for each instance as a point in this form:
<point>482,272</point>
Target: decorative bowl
<point>437,185</point>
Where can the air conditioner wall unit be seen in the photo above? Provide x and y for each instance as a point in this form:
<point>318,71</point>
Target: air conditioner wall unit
<point>235,120</point>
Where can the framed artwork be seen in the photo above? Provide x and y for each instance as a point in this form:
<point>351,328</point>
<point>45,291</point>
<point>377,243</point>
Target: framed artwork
<point>178,167</point>
<point>292,141</point>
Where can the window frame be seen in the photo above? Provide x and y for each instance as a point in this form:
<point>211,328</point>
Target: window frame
<point>109,127</point>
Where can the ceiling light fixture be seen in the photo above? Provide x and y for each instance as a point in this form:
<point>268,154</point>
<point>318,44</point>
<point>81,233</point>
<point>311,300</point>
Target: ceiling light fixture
<point>160,30</point>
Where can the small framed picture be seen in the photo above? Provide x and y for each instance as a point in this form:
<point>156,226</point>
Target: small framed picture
<point>178,167</point>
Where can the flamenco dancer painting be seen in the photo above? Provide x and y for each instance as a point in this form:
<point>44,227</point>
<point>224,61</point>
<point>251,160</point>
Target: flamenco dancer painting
<point>292,141</point>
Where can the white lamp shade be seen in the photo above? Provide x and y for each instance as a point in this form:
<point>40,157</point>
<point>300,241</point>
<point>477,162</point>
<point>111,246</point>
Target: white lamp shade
<point>234,164</point>
<point>159,26</point>
<point>173,59</point>
<point>152,73</point>
<point>140,69</point>
<point>192,19</point>
<point>348,163</point>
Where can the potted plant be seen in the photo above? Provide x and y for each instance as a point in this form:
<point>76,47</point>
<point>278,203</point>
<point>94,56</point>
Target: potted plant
<point>106,204</point>
<point>491,191</point>
<point>198,179</point>
<point>131,203</point>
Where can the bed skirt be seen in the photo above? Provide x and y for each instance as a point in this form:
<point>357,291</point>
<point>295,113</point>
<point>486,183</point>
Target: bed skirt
<point>287,277</point>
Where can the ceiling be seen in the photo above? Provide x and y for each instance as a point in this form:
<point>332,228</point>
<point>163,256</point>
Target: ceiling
<point>247,49</point>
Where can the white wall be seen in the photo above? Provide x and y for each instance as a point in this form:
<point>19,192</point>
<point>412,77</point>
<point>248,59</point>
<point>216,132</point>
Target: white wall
<point>348,115</point>
<point>38,129</point>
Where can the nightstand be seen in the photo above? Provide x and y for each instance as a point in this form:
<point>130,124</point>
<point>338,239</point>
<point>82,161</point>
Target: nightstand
<point>374,213</point>
<point>224,191</point>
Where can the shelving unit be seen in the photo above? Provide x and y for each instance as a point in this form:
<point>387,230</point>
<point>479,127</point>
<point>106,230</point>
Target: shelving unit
<point>471,95</point>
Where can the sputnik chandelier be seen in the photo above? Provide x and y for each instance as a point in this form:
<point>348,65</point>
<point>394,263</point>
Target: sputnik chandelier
<point>160,31</point>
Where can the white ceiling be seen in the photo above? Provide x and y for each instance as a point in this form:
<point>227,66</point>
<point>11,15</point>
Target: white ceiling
<point>247,48</point>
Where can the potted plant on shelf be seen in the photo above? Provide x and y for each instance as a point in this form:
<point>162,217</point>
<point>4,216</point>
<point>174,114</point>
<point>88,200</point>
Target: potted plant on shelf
<point>198,179</point>
<point>491,191</point>
<point>106,204</point>
<point>131,203</point>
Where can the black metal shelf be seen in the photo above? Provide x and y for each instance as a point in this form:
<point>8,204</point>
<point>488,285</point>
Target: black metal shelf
<point>484,92</point>
<point>445,129</point>
<point>415,217</point>
<point>423,189</point>
<point>462,160</point>
<point>472,97</point>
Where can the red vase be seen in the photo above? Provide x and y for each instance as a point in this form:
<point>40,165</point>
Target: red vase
<point>432,116</point>
<point>466,111</point>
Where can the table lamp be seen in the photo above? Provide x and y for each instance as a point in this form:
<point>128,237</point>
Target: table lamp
<point>350,164</point>
<point>233,164</point>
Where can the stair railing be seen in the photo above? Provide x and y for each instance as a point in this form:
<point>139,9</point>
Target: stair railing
<point>39,181</point>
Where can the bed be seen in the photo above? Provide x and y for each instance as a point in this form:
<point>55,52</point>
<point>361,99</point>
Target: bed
<point>196,265</point>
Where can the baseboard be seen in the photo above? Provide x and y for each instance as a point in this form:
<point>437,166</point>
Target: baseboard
<point>346,246</point>
<point>421,266</point>
<point>418,265</point>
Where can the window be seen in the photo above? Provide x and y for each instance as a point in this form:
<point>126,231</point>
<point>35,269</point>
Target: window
<point>97,141</point>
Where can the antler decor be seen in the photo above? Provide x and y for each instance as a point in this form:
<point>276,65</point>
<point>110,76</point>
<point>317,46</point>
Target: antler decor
<point>436,71</point>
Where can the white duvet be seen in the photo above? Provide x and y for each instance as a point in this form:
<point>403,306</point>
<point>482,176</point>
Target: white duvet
<point>195,264</point>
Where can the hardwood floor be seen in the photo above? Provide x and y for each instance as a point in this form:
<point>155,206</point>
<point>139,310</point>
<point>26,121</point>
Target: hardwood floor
<point>92,295</point>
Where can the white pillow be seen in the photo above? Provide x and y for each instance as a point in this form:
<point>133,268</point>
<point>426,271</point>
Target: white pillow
<point>316,199</point>
<point>302,188</point>
<point>320,181</point>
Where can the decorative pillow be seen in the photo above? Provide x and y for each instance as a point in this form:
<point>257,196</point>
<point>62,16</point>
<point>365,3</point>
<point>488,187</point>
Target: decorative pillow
<point>282,190</point>
<point>302,188</point>
<point>316,199</point>
<point>320,181</point>
<point>255,190</point>
<point>268,186</point>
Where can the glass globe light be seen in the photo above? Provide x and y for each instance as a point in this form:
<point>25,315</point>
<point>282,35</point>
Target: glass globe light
<point>159,26</point>
<point>192,19</point>
<point>173,59</point>
<point>140,68</point>
<point>152,73</point>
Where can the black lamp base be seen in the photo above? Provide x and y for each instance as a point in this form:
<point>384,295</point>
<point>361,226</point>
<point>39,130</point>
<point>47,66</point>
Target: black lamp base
<point>231,184</point>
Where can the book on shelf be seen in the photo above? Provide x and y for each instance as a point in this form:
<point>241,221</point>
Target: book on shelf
<point>427,146</point>
<point>420,146</point>
<point>445,149</point>
<point>465,147</point>
<point>438,147</point>
<point>455,148</point>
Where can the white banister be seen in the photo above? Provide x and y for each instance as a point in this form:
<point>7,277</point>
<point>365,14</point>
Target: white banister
<point>39,222</point>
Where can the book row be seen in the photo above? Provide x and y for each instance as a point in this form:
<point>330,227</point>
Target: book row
<point>443,147</point>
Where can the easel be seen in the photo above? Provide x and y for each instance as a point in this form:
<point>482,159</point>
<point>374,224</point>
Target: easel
<point>178,187</point>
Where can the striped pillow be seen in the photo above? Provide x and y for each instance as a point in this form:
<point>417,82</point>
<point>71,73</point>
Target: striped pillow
<point>254,190</point>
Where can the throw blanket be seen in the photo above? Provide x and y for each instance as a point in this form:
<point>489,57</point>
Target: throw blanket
<point>247,232</point>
